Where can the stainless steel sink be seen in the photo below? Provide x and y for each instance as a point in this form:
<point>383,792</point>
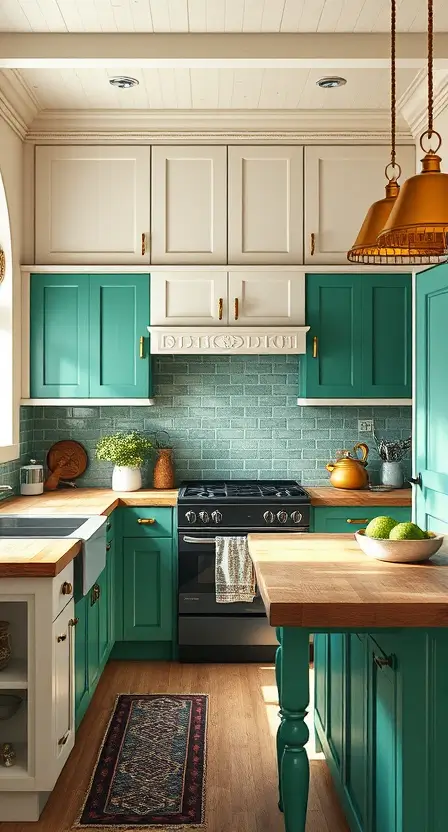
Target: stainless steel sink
<point>90,530</point>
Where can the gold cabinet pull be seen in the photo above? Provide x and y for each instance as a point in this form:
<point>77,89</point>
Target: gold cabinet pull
<point>95,594</point>
<point>312,243</point>
<point>64,739</point>
<point>220,302</point>
<point>62,638</point>
<point>108,547</point>
<point>142,346</point>
<point>146,521</point>
<point>67,588</point>
<point>143,244</point>
<point>357,521</point>
<point>383,661</point>
<point>315,346</point>
<point>235,308</point>
<point>73,622</point>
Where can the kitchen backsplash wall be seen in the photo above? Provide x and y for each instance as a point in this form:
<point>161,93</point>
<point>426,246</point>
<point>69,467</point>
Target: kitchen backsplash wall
<point>227,416</point>
<point>9,471</point>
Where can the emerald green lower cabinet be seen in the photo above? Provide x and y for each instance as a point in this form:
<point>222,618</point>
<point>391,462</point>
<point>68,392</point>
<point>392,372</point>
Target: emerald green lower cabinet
<point>384,752</point>
<point>82,697</point>
<point>336,695</point>
<point>148,589</point>
<point>344,519</point>
<point>356,722</point>
<point>88,336</point>
<point>351,351</point>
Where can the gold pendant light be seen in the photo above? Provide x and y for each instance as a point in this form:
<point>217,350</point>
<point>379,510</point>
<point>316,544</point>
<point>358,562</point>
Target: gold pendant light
<point>418,223</point>
<point>366,249</point>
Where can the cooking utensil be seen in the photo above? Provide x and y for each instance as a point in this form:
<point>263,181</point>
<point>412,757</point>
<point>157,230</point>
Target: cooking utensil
<point>66,460</point>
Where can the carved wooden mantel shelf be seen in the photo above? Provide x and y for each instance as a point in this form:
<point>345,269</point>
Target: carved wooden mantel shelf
<point>182,340</point>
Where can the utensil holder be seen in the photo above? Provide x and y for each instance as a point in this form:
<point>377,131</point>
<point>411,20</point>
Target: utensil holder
<point>392,474</point>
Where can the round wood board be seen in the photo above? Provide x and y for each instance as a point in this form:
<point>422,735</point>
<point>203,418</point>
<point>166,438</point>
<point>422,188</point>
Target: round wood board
<point>68,457</point>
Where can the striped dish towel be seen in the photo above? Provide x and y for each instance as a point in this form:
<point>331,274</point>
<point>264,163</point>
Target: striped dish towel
<point>234,571</point>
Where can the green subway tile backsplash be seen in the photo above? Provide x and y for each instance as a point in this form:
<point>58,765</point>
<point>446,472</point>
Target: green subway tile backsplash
<point>228,416</point>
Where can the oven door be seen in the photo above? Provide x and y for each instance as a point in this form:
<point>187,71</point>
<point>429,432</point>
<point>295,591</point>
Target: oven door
<point>197,577</point>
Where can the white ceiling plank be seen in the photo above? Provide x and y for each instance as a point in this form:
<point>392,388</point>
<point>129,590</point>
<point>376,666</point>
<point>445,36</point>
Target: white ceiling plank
<point>178,15</point>
<point>272,15</point>
<point>253,15</point>
<point>234,15</point>
<point>141,16</point>
<point>104,15</point>
<point>311,16</point>
<point>205,89</point>
<point>197,15</point>
<point>292,15</point>
<point>168,88</point>
<point>182,79</point>
<point>247,86</point>
<point>121,10</point>
<point>225,88</point>
<point>160,15</point>
<point>72,16</point>
<point>13,18</point>
<point>215,15</point>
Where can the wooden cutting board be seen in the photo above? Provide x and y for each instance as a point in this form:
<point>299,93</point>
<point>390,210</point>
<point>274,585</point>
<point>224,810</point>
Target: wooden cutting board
<point>66,460</point>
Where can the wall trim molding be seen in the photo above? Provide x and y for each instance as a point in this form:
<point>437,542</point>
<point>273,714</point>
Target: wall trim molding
<point>18,104</point>
<point>413,104</point>
<point>228,340</point>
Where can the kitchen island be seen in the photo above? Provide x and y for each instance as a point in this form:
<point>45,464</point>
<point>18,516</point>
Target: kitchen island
<point>324,584</point>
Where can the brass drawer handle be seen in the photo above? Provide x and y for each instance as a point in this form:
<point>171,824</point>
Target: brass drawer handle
<point>67,588</point>
<point>312,243</point>
<point>220,303</point>
<point>64,739</point>
<point>73,622</point>
<point>235,309</point>
<point>146,521</point>
<point>62,638</point>
<point>383,661</point>
<point>358,521</point>
<point>95,594</point>
<point>315,346</point>
<point>142,347</point>
<point>143,244</point>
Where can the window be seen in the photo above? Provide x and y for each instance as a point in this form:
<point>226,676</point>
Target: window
<point>9,408</point>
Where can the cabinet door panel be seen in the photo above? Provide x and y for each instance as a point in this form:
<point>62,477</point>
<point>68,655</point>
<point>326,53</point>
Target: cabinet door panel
<point>92,204</point>
<point>81,660</point>
<point>64,684</point>
<point>148,589</point>
<point>104,622</point>
<point>356,723</point>
<point>343,175</point>
<point>265,204</point>
<point>93,637</point>
<point>119,316</point>
<point>189,198</point>
<point>188,298</point>
<point>320,676</point>
<point>384,751</point>
<point>333,312</point>
<point>387,335</point>
<point>59,336</point>
<point>336,694</point>
<point>266,298</point>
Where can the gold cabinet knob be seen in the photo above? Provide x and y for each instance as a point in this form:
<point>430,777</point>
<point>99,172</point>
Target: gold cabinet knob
<point>62,638</point>
<point>67,588</point>
<point>146,521</point>
<point>73,622</point>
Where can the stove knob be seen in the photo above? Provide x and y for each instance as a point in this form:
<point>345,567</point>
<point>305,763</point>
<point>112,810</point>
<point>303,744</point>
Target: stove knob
<point>296,517</point>
<point>282,516</point>
<point>268,517</point>
<point>190,517</point>
<point>203,515</point>
<point>216,517</point>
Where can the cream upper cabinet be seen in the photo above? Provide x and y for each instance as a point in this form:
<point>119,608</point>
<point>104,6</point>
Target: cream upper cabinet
<point>341,182</point>
<point>266,298</point>
<point>189,205</point>
<point>188,298</point>
<point>265,205</point>
<point>92,205</point>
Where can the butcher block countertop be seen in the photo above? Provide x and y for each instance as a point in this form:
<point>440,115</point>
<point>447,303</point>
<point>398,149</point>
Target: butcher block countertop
<point>40,558</point>
<point>325,581</point>
<point>329,496</point>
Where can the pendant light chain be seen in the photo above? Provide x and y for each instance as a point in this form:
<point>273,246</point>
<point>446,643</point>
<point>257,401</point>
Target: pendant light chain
<point>393,83</point>
<point>430,65</point>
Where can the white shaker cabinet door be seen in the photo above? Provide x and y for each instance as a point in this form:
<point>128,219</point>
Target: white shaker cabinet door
<point>189,205</point>
<point>188,298</point>
<point>265,205</point>
<point>341,182</point>
<point>266,298</point>
<point>92,205</point>
<point>64,685</point>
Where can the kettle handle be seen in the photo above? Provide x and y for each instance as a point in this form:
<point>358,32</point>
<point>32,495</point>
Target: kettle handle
<point>365,452</point>
<point>330,467</point>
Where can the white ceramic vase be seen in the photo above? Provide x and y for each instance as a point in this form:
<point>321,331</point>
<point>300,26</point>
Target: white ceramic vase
<point>126,479</point>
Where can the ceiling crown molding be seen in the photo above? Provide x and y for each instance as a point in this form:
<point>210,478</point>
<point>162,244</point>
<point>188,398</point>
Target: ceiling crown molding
<point>215,127</point>
<point>413,104</point>
<point>18,104</point>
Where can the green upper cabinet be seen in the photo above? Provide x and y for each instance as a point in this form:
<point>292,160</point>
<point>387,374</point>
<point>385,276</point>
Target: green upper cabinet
<point>360,337</point>
<point>89,336</point>
<point>119,315</point>
<point>59,337</point>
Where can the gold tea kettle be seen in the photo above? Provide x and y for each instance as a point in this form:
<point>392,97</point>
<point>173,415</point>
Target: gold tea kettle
<point>349,471</point>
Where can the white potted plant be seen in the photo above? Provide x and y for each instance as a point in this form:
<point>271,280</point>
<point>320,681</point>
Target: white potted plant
<point>128,452</point>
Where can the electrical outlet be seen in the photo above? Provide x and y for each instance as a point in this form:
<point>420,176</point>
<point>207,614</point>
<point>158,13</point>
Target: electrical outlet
<point>365,425</point>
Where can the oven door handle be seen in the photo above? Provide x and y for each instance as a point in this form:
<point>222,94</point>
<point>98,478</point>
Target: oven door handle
<point>199,539</point>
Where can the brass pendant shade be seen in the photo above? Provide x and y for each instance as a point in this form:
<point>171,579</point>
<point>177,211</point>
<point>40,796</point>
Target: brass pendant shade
<point>365,248</point>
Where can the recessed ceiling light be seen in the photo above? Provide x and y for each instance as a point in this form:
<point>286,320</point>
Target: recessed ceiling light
<point>331,81</point>
<point>123,82</point>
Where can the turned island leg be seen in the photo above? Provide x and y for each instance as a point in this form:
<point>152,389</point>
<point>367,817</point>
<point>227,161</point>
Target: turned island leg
<point>293,669</point>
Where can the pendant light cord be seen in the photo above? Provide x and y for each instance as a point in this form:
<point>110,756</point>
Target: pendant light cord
<point>393,83</point>
<point>430,65</point>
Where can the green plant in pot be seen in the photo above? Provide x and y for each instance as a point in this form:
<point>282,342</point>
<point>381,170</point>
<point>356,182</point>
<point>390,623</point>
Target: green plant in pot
<point>128,452</point>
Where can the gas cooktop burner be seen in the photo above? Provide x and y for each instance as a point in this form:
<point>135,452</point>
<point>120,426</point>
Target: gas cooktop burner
<point>242,489</point>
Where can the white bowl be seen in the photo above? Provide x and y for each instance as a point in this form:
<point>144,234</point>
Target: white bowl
<point>399,551</point>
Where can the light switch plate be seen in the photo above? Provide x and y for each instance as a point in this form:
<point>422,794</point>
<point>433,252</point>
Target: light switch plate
<point>365,425</point>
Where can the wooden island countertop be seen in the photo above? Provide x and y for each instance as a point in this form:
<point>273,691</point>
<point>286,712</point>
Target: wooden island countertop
<point>325,581</point>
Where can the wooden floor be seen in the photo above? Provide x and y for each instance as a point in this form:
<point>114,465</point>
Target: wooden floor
<point>241,769</point>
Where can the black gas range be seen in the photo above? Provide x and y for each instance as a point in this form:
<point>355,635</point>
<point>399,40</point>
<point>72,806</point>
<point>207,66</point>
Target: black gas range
<point>209,631</point>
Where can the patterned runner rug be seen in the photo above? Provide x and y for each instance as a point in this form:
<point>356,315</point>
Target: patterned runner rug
<point>150,773</point>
